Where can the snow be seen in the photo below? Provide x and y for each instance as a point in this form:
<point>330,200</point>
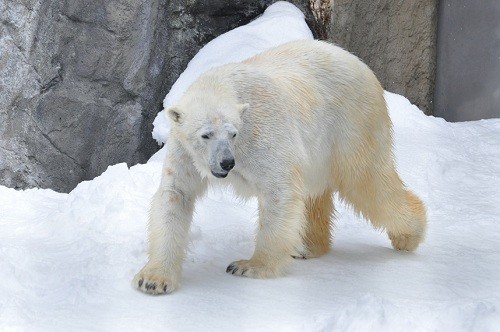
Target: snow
<point>67,259</point>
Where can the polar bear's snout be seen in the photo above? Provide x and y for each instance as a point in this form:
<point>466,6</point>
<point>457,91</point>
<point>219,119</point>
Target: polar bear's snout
<point>221,158</point>
<point>226,165</point>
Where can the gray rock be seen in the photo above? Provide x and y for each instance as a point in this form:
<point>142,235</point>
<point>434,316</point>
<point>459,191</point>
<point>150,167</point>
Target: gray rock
<point>76,88</point>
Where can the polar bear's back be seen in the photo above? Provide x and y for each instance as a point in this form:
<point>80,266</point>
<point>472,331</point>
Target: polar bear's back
<point>311,59</point>
<point>318,87</point>
<point>318,80</point>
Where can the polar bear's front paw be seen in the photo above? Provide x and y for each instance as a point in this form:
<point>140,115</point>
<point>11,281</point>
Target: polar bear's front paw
<point>154,281</point>
<point>253,269</point>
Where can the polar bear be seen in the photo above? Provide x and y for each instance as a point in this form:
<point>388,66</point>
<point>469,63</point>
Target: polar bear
<point>290,126</point>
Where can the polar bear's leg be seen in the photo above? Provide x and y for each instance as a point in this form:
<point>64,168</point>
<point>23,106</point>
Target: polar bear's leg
<point>281,227</point>
<point>169,222</point>
<point>319,215</point>
<point>382,198</point>
<point>412,214</point>
<point>168,229</point>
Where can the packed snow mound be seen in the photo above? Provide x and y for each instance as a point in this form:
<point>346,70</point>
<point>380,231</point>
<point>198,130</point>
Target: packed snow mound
<point>281,22</point>
<point>67,260</point>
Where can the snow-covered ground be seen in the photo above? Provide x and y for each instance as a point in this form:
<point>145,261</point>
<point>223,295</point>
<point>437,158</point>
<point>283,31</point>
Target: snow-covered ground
<point>66,260</point>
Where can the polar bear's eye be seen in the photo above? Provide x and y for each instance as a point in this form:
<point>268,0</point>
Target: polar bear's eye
<point>234,135</point>
<point>205,136</point>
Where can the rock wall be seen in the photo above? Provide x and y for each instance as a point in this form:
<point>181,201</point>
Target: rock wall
<point>77,88</point>
<point>397,39</point>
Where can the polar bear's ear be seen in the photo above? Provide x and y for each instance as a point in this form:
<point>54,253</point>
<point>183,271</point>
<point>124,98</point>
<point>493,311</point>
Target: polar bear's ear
<point>175,114</point>
<point>243,108</point>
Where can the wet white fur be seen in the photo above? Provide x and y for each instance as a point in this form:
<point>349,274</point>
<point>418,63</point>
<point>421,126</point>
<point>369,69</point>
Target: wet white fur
<point>310,119</point>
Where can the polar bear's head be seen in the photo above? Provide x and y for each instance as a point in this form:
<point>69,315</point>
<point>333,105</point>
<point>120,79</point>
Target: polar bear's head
<point>209,132</point>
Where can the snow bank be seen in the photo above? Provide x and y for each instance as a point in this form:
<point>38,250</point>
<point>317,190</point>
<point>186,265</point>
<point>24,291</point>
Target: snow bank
<point>67,259</point>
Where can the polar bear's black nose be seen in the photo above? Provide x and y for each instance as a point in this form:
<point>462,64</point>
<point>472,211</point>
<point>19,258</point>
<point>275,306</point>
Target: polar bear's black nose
<point>227,164</point>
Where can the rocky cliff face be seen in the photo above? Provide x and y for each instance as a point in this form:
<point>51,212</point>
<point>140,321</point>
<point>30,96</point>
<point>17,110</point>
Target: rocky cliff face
<point>81,81</point>
<point>78,86</point>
